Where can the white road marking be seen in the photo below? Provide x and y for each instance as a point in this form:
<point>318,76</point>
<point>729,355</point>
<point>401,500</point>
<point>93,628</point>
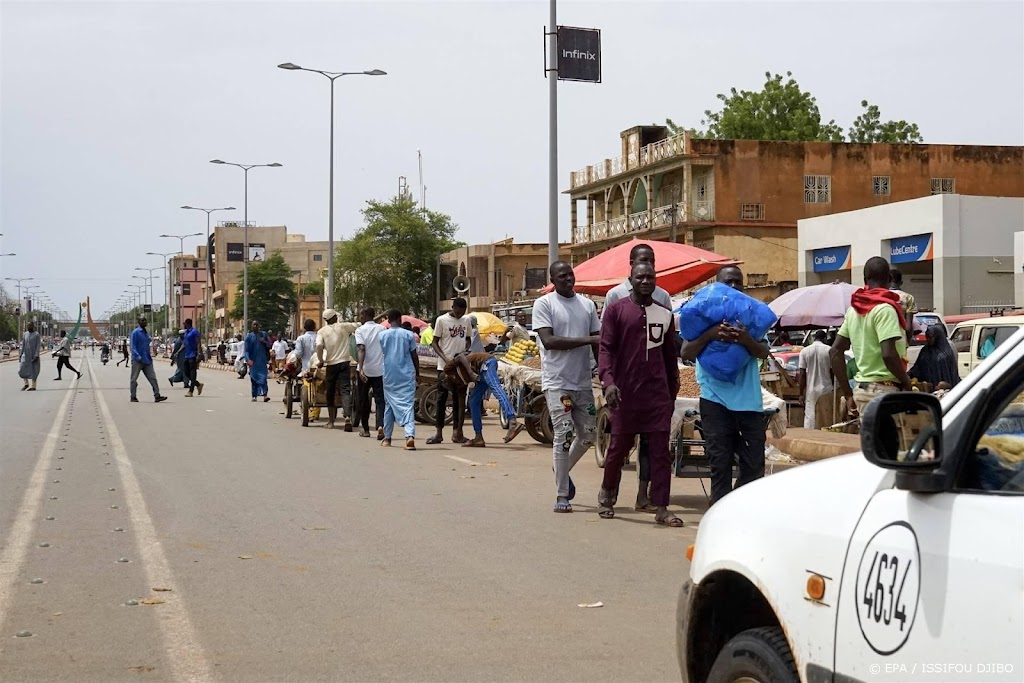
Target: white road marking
<point>184,651</point>
<point>15,548</point>
<point>462,460</point>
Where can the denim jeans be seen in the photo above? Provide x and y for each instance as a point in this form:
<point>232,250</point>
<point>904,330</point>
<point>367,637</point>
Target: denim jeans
<point>490,380</point>
<point>574,419</point>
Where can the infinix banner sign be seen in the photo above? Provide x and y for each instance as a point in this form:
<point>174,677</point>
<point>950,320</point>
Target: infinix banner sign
<point>579,54</point>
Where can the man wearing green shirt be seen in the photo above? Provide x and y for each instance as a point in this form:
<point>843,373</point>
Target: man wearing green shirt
<point>875,328</point>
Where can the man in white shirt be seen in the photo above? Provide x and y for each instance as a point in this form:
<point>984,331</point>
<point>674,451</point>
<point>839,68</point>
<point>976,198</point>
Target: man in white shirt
<point>305,345</point>
<point>815,376</point>
<point>332,350</point>
<point>568,327</point>
<point>641,253</point>
<point>452,336</point>
<point>370,365</point>
<point>517,330</point>
<point>280,351</point>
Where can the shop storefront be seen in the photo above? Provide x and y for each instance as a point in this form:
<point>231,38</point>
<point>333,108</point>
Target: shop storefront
<point>830,264</point>
<point>913,256</point>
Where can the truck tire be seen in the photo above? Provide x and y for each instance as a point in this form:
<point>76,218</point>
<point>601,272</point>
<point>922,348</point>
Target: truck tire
<point>759,654</point>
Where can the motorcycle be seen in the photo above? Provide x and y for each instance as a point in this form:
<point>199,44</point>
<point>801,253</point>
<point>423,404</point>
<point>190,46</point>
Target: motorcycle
<point>104,355</point>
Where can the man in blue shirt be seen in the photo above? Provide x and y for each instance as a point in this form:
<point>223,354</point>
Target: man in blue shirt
<point>142,362</point>
<point>731,413</point>
<point>191,352</point>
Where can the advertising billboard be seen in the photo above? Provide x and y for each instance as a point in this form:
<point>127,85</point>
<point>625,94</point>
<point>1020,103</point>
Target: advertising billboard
<point>579,54</point>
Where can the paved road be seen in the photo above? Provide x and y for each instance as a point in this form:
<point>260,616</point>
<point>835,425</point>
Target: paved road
<point>360,563</point>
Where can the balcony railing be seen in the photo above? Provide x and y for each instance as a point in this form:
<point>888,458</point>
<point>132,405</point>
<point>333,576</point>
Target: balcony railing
<point>600,231</point>
<point>676,145</point>
<point>617,226</point>
<point>703,211</point>
<point>663,215</point>
<point>638,221</point>
<point>579,234</point>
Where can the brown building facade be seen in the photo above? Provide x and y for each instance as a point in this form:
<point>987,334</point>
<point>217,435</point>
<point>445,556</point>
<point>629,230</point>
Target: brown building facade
<point>742,198</point>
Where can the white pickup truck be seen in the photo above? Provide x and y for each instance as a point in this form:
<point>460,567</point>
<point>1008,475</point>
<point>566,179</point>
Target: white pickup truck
<point>904,563</point>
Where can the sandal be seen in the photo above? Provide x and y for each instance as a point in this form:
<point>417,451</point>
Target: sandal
<point>477,442</point>
<point>410,444</point>
<point>650,507</point>
<point>513,431</point>
<point>671,520</point>
<point>385,443</point>
<point>563,506</point>
<point>606,512</point>
<point>436,439</point>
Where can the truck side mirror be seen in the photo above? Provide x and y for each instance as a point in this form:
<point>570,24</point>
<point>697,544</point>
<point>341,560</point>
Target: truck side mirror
<point>903,431</point>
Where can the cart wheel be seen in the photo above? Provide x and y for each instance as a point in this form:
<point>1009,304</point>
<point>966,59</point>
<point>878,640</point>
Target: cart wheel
<point>603,438</point>
<point>502,419</point>
<point>304,402</point>
<point>539,426</point>
<point>428,406</point>
<point>289,397</point>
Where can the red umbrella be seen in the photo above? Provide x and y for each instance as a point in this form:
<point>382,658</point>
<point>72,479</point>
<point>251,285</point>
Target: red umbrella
<point>411,319</point>
<point>679,267</point>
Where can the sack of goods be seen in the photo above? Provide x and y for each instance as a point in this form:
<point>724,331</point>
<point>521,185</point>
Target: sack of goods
<point>713,305</point>
<point>521,350</point>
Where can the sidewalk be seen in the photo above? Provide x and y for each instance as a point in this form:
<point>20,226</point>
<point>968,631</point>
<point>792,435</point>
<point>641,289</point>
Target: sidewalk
<point>809,445</point>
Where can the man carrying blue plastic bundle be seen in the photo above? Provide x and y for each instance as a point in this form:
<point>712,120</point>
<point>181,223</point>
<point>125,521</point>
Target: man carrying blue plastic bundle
<point>731,411</point>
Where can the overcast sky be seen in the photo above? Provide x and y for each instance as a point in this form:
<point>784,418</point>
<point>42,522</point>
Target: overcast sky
<point>111,111</point>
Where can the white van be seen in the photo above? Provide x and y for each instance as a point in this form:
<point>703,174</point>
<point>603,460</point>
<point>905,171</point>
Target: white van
<point>903,563</point>
<point>974,340</point>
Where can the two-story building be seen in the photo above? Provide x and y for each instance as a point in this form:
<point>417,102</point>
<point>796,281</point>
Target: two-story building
<point>742,198</point>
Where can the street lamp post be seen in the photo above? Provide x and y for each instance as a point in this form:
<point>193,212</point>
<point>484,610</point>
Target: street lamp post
<point>245,232</point>
<point>167,301</point>
<point>181,251</point>
<point>19,280</point>
<point>331,76</point>
<point>209,262</point>
<point>148,283</point>
<point>153,277</point>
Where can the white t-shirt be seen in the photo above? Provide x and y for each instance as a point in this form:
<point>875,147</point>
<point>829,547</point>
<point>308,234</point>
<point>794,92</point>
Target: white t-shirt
<point>451,334</point>
<point>572,317</point>
<point>280,349</point>
<point>623,290</point>
<point>368,336</point>
<point>334,339</point>
<point>815,361</point>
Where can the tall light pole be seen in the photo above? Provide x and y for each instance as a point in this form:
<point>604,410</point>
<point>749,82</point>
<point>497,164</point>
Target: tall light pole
<point>148,283</point>
<point>163,255</point>
<point>209,262</point>
<point>245,232</point>
<point>331,76</point>
<point>153,277</point>
<point>19,280</point>
<point>181,250</point>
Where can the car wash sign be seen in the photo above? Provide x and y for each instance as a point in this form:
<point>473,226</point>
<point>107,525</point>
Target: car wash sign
<point>832,258</point>
<point>579,54</point>
<point>910,249</point>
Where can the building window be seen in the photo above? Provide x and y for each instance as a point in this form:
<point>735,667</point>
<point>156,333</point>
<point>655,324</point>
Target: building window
<point>318,257</point>
<point>880,186</point>
<point>195,264</point>
<point>943,185</point>
<point>186,288</point>
<point>817,189</point>
<point>751,212</point>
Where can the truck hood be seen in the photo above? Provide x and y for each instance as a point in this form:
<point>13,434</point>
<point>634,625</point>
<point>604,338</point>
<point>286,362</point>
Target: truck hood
<point>806,513</point>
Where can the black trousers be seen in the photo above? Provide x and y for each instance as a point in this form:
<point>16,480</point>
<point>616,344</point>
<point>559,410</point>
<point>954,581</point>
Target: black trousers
<point>376,384</point>
<point>64,362</point>
<point>458,395</point>
<point>190,366</point>
<point>336,374</point>
<point>730,435</point>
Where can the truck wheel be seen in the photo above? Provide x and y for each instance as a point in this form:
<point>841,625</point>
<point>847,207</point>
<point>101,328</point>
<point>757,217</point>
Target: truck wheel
<point>759,654</point>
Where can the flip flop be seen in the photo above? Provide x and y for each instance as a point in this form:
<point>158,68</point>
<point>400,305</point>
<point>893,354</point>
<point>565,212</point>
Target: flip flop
<point>606,512</point>
<point>435,440</point>
<point>646,508</point>
<point>671,521</point>
<point>514,432</point>
<point>562,506</point>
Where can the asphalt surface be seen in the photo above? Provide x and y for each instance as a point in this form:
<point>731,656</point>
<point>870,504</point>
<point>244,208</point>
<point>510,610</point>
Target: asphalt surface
<point>304,554</point>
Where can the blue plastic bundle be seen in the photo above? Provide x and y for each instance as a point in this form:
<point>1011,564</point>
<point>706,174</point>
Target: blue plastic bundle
<point>719,303</point>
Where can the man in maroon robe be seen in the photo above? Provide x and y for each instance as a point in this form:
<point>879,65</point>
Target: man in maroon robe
<point>639,375</point>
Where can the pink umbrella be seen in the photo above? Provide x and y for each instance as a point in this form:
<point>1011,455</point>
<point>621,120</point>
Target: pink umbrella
<point>411,319</point>
<point>814,306</point>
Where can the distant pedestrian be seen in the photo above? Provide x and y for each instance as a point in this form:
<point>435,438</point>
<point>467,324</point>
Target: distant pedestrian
<point>280,352</point>
<point>127,359</point>
<point>452,335</point>
<point>257,355</point>
<point>732,413</point>
<point>333,350</point>
<point>638,371</point>
<point>305,345</point>
<point>907,302</point>
<point>370,366</point>
<point>401,375</point>
<point>63,354</point>
<point>142,362</point>
<point>191,353</point>
<point>875,328</point>
<point>31,345</point>
<point>814,374</point>
<point>568,327</point>
<point>178,361</point>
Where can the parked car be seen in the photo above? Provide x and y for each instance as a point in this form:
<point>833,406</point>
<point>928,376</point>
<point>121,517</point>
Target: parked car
<point>971,339</point>
<point>922,321</point>
<point>863,566</point>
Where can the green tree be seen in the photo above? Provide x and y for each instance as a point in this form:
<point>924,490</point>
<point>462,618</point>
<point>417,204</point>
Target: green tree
<point>272,297</point>
<point>868,127</point>
<point>392,260</point>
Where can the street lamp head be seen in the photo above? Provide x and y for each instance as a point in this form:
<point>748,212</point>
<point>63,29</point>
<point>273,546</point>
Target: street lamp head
<point>166,235</point>
<point>376,72</point>
<point>217,161</point>
<point>189,207</point>
<point>289,66</point>
<point>275,165</point>
<point>229,208</point>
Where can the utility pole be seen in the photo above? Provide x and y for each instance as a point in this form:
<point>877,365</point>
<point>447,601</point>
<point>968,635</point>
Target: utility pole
<point>552,135</point>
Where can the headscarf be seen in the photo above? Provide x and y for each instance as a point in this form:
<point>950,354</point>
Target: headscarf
<point>937,362</point>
